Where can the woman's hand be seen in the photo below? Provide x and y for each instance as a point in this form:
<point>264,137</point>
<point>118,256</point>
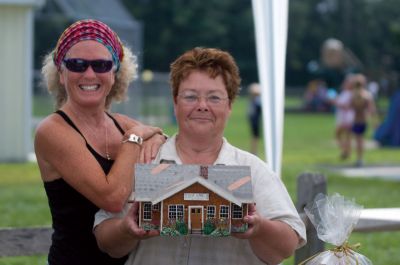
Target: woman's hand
<point>151,147</point>
<point>152,141</point>
<point>143,131</point>
<point>130,224</point>
<point>119,236</point>
<point>253,219</point>
<point>271,241</point>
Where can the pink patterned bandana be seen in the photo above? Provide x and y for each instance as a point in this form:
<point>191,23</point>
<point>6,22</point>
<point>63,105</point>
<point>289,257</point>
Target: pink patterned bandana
<point>88,29</point>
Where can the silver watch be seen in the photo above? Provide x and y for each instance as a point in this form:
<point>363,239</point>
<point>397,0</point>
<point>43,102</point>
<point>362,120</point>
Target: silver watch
<point>133,138</point>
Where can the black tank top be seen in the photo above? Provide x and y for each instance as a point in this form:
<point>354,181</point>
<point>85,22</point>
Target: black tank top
<point>73,242</point>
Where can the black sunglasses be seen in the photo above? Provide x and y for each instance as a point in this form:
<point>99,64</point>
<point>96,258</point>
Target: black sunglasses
<point>81,65</point>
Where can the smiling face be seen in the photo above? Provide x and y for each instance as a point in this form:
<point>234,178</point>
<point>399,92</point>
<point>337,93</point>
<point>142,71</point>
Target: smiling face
<point>202,117</point>
<point>87,88</point>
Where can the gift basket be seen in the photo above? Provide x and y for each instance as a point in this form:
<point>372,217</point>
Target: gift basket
<point>334,218</point>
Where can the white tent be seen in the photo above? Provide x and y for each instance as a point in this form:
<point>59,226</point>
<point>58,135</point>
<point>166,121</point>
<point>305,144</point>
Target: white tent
<point>270,19</point>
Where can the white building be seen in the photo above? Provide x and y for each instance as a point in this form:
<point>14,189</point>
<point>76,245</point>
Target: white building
<point>16,31</point>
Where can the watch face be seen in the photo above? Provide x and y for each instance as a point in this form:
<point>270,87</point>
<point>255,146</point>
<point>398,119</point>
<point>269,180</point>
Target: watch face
<point>135,139</point>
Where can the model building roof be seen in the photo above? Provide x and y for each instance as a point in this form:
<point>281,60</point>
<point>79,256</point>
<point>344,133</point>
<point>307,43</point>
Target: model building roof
<point>157,182</point>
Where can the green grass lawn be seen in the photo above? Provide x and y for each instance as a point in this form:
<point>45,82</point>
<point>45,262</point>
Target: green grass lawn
<point>308,144</point>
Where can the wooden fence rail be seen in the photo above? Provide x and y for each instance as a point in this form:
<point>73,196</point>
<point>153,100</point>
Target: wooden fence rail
<point>36,240</point>
<point>25,241</point>
<point>308,186</point>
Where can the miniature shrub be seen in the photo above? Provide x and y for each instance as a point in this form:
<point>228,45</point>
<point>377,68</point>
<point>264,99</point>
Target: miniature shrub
<point>209,227</point>
<point>168,231</point>
<point>220,233</point>
<point>149,226</point>
<point>240,228</point>
<point>181,227</point>
<point>221,228</point>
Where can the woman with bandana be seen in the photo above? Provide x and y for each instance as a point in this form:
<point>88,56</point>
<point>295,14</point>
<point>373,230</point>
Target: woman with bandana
<point>86,153</point>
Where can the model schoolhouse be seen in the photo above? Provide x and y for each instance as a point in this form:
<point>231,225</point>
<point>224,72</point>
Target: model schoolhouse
<point>193,199</point>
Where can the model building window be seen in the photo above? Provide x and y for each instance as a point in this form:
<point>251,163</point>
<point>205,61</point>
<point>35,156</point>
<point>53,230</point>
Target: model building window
<point>147,211</point>
<point>156,207</point>
<point>175,211</point>
<point>237,212</point>
<point>224,211</point>
<point>210,211</point>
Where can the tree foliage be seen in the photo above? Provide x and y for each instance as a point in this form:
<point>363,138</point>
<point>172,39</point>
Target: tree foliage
<point>174,26</point>
<point>369,28</point>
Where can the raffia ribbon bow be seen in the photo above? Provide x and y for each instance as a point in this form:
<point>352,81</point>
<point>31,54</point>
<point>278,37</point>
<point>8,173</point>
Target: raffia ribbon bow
<point>346,249</point>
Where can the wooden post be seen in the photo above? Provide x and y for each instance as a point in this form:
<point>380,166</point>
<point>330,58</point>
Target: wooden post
<point>308,186</point>
<point>25,241</point>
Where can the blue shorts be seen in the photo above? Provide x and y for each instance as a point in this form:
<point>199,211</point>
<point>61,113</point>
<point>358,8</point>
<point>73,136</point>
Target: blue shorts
<point>255,126</point>
<point>359,128</point>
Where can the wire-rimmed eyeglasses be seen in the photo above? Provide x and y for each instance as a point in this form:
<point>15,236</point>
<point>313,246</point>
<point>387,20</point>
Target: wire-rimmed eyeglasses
<point>191,98</point>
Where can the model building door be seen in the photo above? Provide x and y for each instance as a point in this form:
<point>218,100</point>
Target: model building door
<point>196,217</point>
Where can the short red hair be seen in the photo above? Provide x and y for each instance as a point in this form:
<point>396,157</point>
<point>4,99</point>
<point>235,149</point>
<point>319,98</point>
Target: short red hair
<point>213,61</point>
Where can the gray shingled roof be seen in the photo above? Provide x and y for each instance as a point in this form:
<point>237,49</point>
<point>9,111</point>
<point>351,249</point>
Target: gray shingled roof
<point>152,185</point>
<point>112,13</point>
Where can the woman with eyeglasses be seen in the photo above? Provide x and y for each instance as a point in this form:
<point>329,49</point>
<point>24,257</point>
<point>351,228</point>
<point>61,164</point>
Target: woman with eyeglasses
<point>205,82</point>
<point>86,153</point>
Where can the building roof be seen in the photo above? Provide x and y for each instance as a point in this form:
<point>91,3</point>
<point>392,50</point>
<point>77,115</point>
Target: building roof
<point>113,13</point>
<point>110,12</point>
<point>158,182</point>
<point>22,2</point>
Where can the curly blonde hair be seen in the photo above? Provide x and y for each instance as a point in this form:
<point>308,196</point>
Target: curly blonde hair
<point>211,60</point>
<point>126,74</point>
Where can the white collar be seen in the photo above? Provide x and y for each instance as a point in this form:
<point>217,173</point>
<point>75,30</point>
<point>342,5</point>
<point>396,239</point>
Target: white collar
<point>169,154</point>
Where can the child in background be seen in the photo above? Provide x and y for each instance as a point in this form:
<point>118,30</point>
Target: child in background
<point>363,105</point>
<point>344,118</point>
<point>254,116</point>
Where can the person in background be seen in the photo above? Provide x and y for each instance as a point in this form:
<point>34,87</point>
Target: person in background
<point>205,82</point>
<point>344,114</point>
<point>254,116</point>
<point>373,88</point>
<point>316,96</point>
<point>363,105</point>
<point>86,153</point>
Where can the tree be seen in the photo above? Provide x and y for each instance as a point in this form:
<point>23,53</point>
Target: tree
<point>369,28</point>
<point>172,27</point>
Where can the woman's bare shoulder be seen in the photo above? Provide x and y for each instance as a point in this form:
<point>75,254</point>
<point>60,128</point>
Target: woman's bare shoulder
<point>54,132</point>
<point>52,142</point>
<point>125,121</point>
<point>50,125</point>
<point>47,123</point>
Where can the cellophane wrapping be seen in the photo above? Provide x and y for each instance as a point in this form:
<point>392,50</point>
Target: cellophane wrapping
<point>334,218</point>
